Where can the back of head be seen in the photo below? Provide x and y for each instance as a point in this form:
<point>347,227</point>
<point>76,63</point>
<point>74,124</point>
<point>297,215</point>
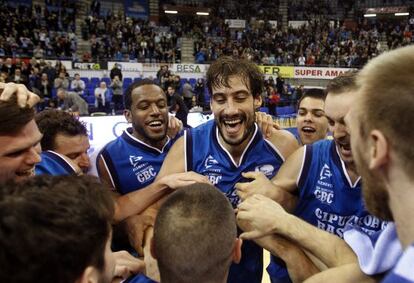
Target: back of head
<point>342,83</point>
<point>221,70</point>
<point>52,122</point>
<point>194,234</point>
<point>130,89</point>
<point>12,117</point>
<point>315,93</point>
<point>387,89</point>
<point>52,228</point>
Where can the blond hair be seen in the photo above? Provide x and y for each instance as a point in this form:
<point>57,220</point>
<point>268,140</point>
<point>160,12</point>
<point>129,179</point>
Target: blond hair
<point>387,88</point>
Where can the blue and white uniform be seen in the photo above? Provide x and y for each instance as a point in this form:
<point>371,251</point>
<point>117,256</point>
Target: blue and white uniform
<point>327,197</point>
<point>53,164</point>
<point>403,272</point>
<point>204,154</point>
<point>131,163</point>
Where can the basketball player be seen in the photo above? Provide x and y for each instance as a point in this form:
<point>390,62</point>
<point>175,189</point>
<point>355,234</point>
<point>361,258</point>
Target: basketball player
<point>19,135</point>
<point>130,163</point>
<point>312,124</point>
<point>231,144</point>
<point>64,137</point>
<point>184,245</point>
<point>58,245</point>
<point>382,146</point>
<point>323,174</point>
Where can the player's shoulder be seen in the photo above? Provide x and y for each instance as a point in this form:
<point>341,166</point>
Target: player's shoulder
<point>284,141</point>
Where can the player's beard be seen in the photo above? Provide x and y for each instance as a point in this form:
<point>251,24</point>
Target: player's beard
<point>375,193</point>
<point>247,123</point>
<point>148,137</point>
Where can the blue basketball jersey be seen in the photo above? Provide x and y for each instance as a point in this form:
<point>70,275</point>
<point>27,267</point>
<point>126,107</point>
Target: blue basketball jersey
<point>327,197</point>
<point>53,164</point>
<point>205,155</point>
<point>403,272</point>
<point>131,163</point>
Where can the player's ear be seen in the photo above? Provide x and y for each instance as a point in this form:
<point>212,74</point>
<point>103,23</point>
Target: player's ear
<point>89,275</point>
<point>127,114</point>
<point>237,253</point>
<point>379,150</point>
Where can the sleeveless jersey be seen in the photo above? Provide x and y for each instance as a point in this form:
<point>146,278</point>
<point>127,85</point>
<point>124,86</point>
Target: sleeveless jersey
<point>205,155</point>
<point>131,163</point>
<point>327,197</point>
<point>53,164</point>
<point>403,271</point>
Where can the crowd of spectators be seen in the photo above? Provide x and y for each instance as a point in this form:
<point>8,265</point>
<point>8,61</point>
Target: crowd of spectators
<point>38,32</point>
<point>122,38</point>
<point>319,42</point>
<point>309,10</point>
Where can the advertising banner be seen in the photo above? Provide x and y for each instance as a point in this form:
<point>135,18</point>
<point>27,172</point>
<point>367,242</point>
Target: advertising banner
<point>137,9</point>
<point>126,66</point>
<point>103,65</point>
<point>318,73</point>
<point>190,68</point>
<point>236,23</point>
<point>278,71</point>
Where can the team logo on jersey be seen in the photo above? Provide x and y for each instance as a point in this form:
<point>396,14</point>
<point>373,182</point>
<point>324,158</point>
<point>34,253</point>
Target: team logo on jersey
<point>210,161</point>
<point>134,160</point>
<point>266,169</point>
<point>325,173</point>
<point>324,188</point>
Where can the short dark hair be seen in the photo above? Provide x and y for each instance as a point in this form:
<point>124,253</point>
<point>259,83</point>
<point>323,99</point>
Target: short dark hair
<point>342,83</point>
<point>52,228</point>
<point>194,235</point>
<point>223,68</point>
<point>13,117</point>
<point>130,89</point>
<point>316,93</point>
<point>52,122</point>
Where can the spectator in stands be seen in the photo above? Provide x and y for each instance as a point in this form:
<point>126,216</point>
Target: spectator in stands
<point>273,100</point>
<point>117,93</point>
<point>199,92</point>
<point>18,77</point>
<point>188,94</point>
<point>116,71</point>
<point>72,102</point>
<point>102,97</point>
<point>50,71</point>
<point>78,85</point>
<point>162,75</point>
<point>177,105</point>
<point>8,67</point>
<point>45,90</point>
<point>61,81</point>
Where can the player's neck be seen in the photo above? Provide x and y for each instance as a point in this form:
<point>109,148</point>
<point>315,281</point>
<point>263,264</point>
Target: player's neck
<point>157,144</point>
<point>236,151</point>
<point>352,171</point>
<point>401,194</point>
